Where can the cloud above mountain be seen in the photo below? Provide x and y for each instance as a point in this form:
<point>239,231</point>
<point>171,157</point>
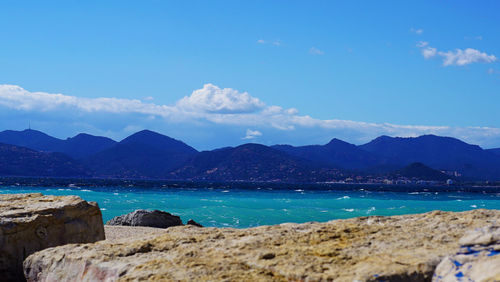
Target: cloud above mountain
<point>222,110</point>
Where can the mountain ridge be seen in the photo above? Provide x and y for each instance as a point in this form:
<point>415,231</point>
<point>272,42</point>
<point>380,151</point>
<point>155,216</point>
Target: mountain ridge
<point>148,154</point>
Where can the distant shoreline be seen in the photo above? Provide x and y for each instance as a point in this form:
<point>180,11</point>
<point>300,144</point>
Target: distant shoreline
<point>77,183</point>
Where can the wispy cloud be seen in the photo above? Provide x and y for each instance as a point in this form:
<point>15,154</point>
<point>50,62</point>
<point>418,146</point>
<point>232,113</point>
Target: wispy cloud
<point>316,51</point>
<point>276,42</point>
<point>418,31</point>
<point>222,107</point>
<point>457,57</point>
<point>478,37</point>
<point>252,134</point>
<point>427,51</point>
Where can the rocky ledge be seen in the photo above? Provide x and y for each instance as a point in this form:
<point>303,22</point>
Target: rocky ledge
<point>32,222</point>
<point>397,248</point>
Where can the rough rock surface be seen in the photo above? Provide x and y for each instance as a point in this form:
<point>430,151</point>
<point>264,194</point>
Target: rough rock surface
<point>398,248</point>
<point>116,232</point>
<point>194,223</point>
<point>156,218</point>
<point>477,260</point>
<point>32,222</point>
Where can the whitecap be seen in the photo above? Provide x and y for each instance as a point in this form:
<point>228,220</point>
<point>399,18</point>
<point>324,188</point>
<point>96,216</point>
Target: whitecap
<point>370,210</point>
<point>348,210</point>
<point>473,206</point>
<point>86,190</point>
<point>299,190</point>
<point>103,209</point>
<point>116,194</point>
<point>344,198</point>
<point>225,191</point>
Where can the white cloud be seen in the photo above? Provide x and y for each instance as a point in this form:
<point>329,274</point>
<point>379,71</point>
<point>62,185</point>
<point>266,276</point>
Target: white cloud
<point>316,51</point>
<point>457,57</point>
<point>221,107</point>
<point>213,99</point>
<point>464,57</point>
<point>149,98</point>
<point>418,31</point>
<point>277,42</point>
<point>261,41</point>
<point>252,134</point>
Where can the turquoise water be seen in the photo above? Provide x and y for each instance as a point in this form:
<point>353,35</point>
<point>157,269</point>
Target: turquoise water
<point>246,208</point>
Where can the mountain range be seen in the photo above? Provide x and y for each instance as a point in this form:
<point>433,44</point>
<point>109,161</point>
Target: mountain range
<point>147,154</point>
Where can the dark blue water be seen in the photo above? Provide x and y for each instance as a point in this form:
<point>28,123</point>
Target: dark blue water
<point>252,207</point>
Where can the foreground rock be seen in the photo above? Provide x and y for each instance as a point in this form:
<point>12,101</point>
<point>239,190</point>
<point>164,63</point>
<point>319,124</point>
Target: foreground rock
<point>477,260</point>
<point>116,232</point>
<point>399,248</point>
<point>156,218</point>
<point>32,222</point>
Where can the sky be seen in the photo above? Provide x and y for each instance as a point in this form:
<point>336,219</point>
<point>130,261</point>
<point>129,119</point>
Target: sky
<point>224,73</point>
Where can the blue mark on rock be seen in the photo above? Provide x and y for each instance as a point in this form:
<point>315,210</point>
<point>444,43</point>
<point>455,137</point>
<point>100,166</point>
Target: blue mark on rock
<point>456,263</point>
<point>493,253</point>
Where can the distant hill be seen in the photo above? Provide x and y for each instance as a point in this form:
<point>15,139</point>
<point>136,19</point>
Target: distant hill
<point>437,152</point>
<point>336,153</point>
<point>32,139</point>
<point>252,162</point>
<point>145,154</point>
<point>421,172</point>
<point>20,161</point>
<point>494,151</point>
<point>85,145</point>
<point>78,147</point>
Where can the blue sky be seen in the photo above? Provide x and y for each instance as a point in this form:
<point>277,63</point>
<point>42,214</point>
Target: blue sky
<point>219,73</point>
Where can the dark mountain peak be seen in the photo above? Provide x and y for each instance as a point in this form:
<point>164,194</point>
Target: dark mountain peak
<point>26,133</point>
<point>158,141</point>
<point>30,138</point>
<point>336,153</point>
<point>339,143</point>
<point>147,133</point>
<point>423,140</point>
<point>86,137</point>
<point>146,136</point>
<point>437,152</point>
<point>252,146</point>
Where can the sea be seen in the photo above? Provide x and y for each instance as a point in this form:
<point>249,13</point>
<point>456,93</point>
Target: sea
<point>243,207</point>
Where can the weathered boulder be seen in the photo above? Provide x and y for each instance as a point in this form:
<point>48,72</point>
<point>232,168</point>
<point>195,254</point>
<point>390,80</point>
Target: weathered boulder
<point>156,218</point>
<point>398,248</point>
<point>32,222</point>
<point>194,223</point>
<point>477,260</point>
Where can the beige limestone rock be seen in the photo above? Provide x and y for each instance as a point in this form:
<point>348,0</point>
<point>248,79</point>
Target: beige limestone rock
<point>32,222</point>
<point>477,260</point>
<point>398,248</point>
